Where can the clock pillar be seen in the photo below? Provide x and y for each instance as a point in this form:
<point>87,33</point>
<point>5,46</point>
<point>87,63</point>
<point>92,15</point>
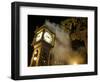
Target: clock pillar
<point>42,46</point>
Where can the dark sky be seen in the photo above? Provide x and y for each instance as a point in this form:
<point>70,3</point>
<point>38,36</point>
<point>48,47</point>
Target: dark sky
<point>37,20</point>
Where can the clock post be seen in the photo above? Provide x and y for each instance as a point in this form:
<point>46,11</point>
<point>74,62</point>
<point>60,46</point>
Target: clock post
<point>42,43</point>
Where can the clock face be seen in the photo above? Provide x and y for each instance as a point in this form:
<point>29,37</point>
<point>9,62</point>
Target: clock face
<point>39,36</point>
<point>48,37</point>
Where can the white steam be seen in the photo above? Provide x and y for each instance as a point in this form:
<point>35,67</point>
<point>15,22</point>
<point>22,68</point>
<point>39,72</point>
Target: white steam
<point>62,52</point>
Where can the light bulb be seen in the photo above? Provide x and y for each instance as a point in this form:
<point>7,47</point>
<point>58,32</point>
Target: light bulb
<point>35,58</point>
<point>75,63</point>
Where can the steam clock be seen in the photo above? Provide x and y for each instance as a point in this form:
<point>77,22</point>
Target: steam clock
<point>42,43</point>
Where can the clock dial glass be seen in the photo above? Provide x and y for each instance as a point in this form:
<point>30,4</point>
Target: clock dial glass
<point>47,37</point>
<point>39,36</point>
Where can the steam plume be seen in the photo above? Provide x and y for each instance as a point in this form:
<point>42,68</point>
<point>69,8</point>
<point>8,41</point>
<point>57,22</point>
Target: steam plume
<point>62,52</point>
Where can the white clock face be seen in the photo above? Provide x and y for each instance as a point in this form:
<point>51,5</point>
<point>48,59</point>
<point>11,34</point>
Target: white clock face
<point>47,37</point>
<point>39,36</point>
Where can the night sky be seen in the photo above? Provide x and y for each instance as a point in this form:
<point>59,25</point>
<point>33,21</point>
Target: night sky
<point>37,20</point>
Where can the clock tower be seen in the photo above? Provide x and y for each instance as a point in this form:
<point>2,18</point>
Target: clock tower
<point>43,42</point>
